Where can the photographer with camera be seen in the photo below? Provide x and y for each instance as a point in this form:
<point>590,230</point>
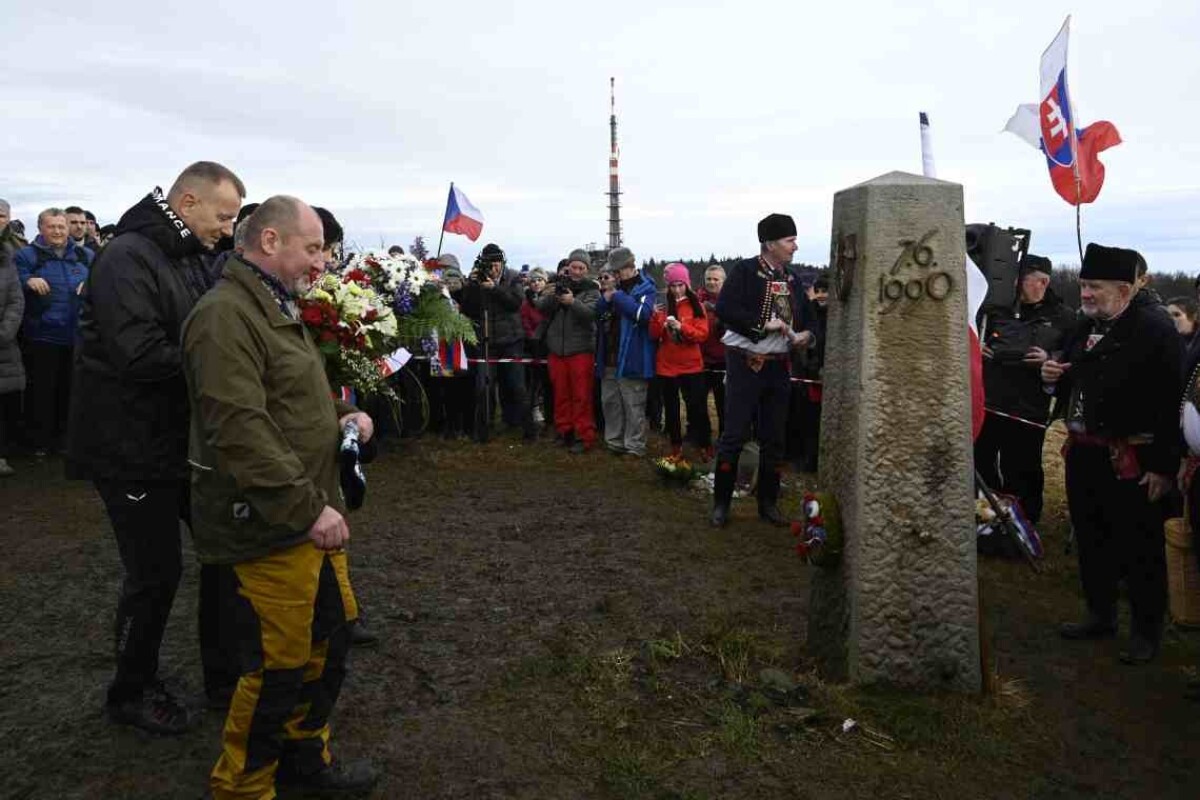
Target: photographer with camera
<point>533,321</point>
<point>1016,343</point>
<point>492,299</point>
<point>570,337</point>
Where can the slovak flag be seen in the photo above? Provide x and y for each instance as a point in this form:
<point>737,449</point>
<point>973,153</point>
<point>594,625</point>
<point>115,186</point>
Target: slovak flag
<point>1050,126</point>
<point>461,216</point>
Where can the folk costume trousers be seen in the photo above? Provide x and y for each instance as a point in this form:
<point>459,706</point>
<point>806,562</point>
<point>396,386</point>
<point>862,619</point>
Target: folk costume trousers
<point>1119,533</point>
<point>572,378</point>
<point>755,398</point>
<point>290,617</point>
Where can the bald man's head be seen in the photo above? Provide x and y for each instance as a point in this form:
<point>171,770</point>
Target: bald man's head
<point>284,237</point>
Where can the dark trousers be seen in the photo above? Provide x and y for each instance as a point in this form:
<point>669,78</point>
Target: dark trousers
<point>509,379</point>
<point>755,398</point>
<point>1008,455</point>
<point>654,403</point>
<point>692,387</point>
<point>48,392</point>
<point>145,518</point>
<point>1119,534</point>
<point>714,382</point>
<point>10,420</point>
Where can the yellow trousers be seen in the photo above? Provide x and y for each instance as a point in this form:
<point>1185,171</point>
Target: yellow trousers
<point>289,617</point>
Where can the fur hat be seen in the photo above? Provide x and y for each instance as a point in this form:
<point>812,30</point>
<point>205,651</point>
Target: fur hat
<point>621,257</point>
<point>1102,263</point>
<point>450,260</point>
<point>538,272</point>
<point>581,255</point>
<point>677,273</point>
<point>775,226</point>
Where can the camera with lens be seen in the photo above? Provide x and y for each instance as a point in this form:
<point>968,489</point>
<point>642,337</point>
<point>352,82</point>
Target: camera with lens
<point>562,285</point>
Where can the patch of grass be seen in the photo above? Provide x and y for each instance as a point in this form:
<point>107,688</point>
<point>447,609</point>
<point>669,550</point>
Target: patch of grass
<point>629,774</point>
<point>738,731</point>
<point>737,650</point>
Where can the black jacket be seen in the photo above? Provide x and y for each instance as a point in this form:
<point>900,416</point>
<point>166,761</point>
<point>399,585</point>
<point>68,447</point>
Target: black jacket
<point>1012,386</point>
<point>1131,382</point>
<point>742,302</point>
<point>503,304</point>
<point>129,405</point>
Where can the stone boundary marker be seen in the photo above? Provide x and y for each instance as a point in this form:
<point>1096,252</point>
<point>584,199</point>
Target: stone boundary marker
<point>896,450</point>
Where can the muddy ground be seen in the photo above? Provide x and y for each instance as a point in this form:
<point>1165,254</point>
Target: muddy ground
<point>559,626</point>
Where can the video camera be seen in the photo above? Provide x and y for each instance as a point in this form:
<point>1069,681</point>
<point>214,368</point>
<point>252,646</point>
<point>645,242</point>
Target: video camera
<point>998,252</point>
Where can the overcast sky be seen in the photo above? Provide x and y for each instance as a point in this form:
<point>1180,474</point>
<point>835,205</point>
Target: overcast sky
<point>728,111</point>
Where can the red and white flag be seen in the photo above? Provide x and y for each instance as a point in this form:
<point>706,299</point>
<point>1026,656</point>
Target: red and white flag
<point>1072,153</point>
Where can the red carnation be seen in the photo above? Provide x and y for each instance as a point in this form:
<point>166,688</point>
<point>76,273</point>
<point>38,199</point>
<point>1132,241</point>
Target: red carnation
<point>312,316</point>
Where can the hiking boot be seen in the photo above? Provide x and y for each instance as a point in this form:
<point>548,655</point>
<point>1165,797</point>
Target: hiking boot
<point>5,469</point>
<point>339,779</point>
<point>1094,627</point>
<point>361,635</point>
<point>1140,650</point>
<point>156,711</point>
<point>578,448</point>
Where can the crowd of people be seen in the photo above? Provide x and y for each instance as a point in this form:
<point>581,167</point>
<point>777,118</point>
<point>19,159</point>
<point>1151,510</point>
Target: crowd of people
<point>166,355</point>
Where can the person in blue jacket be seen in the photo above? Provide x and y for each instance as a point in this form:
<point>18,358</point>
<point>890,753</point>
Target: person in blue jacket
<point>625,353</point>
<point>52,270</point>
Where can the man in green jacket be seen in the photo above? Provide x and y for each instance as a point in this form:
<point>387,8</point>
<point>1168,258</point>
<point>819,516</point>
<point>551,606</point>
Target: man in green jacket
<point>267,508</point>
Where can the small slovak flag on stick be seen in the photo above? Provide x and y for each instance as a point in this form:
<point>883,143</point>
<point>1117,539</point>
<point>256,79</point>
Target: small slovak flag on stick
<point>461,216</point>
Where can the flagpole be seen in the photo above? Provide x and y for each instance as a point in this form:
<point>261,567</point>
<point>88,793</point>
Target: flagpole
<point>442,235</point>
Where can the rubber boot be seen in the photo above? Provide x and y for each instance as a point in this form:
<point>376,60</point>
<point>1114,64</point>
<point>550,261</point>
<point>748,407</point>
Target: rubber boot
<point>724,477</point>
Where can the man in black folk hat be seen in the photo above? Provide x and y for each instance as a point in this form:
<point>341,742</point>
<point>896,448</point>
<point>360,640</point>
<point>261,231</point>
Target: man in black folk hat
<point>1008,452</point>
<point>765,313</point>
<point>1120,383</point>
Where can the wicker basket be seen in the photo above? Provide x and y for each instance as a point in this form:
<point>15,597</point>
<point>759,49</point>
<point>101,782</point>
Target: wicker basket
<point>1183,573</point>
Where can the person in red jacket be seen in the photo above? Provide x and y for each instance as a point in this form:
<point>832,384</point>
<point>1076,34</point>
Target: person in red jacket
<point>680,329</point>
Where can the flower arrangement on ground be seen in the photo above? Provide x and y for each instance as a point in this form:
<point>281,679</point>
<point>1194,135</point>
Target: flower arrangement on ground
<point>819,532</point>
<point>675,469</point>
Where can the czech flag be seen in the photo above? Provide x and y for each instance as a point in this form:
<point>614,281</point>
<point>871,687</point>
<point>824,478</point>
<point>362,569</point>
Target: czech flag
<point>1050,126</point>
<point>462,217</point>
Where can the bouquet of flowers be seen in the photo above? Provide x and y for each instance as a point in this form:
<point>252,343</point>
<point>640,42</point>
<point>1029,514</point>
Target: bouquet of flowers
<point>675,469</point>
<point>362,312</point>
<point>423,314</point>
<point>355,328</point>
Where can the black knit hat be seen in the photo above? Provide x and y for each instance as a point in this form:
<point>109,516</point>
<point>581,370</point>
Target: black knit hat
<point>1032,263</point>
<point>1102,263</point>
<point>491,252</point>
<point>775,226</point>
